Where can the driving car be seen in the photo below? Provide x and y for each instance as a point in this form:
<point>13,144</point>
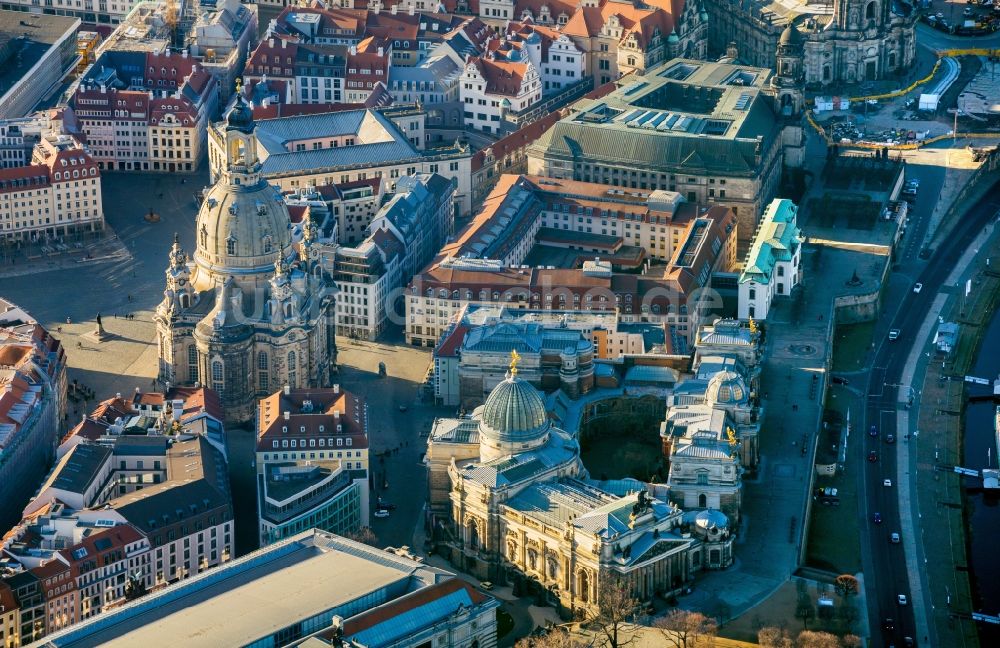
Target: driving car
<point>873,456</point>
<point>917,287</point>
<point>877,518</point>
<point>890,438</point>
<point>894,334</point>
<point>894,538</point>
<point>840,380</point>
<point>902,599</point>
<point>873,431</point>
<point>381,513</point>
<point>887,482</point>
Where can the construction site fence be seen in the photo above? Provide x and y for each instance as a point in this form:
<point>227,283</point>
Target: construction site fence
<point>905,146</point>
<point>941,54</point>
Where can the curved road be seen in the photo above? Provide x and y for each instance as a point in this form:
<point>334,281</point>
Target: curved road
<point>884,563</point>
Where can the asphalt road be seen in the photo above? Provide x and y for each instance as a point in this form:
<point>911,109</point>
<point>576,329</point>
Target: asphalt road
<point>938,40</point>
<point>883,562</point>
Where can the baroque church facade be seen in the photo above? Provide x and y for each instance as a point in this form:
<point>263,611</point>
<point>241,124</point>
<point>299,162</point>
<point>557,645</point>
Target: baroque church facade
<point>510,498</point>
<point>846,41</point>
<point>253,309</point>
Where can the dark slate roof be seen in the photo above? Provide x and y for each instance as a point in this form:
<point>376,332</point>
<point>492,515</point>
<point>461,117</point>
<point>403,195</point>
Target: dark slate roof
<point>81,467</point>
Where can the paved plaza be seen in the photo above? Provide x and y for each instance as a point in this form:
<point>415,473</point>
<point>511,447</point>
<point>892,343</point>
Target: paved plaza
<point>65,293</point>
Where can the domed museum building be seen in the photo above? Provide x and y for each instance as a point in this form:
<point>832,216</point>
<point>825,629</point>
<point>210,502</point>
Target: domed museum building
<point>253,309</point>
<point>511,500</point>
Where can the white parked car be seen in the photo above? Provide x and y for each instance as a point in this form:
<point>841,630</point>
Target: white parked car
<point>917,287</point>
<point>381,513</point>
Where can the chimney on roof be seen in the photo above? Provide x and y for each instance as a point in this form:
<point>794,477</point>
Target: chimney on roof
<point>287,415</point>
<point>381,52</point>
<point>409,9</point>
<point>288,390</point>
<point>118,395</point>
<point>336,414</point>
<point>284,43</point>
<point>393,9</point>
<point>184,53</point>
<point>336,388</point>
<point>270,42</point>
<point>354,49</point>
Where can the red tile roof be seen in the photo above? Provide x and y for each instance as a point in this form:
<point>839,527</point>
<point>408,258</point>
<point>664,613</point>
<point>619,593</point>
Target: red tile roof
<point>389,611</point>
<point>502,77</point>
<point>328,409</point>
<point>448,348</point>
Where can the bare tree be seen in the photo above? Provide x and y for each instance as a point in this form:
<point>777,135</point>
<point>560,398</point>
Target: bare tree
<point>364,535</point>
<point>805,610</point>
<point>617,608</point>
<point>685,629</point>
<point>813,639</point>
<point>554,638</point>
<point>850,641</point>
<point>846,585</point>
<point>774,637</point>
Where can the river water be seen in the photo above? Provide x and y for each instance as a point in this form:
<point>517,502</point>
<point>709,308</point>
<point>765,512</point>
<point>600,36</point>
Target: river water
<point>984,512</point>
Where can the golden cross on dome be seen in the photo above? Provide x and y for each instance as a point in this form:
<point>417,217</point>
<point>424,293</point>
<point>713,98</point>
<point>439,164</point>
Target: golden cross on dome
<point>239,85</point>
<point>514,359</point>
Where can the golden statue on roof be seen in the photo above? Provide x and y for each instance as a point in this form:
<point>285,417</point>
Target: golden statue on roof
<point>515,357</point>
<point>753,326</point>
<point>239,85</point>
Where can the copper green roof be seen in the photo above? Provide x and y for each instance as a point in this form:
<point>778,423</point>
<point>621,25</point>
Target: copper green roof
<point>777,239</point>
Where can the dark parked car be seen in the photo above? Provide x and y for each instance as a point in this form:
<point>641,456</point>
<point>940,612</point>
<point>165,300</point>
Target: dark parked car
<point>840,380</point>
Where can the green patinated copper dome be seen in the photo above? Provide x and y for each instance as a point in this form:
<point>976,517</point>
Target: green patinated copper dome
<point>514,411</point>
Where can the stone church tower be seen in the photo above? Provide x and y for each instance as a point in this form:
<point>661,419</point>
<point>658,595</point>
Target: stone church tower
<point>788,86</point>
<point>253,310</point>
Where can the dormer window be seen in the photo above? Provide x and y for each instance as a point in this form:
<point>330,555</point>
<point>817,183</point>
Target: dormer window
<point>230,245</point>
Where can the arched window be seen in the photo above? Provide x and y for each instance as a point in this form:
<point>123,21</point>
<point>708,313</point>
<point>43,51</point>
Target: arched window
<point>262,375</point>
<point>192,363</point>
<point>291,369</point>
<point>218,383</point>
<point>702,501</point>
<point>185,300</point>
<point>870,10</point>
<point>230,245</point>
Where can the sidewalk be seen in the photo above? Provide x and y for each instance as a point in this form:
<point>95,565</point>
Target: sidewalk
<point>107,248</point>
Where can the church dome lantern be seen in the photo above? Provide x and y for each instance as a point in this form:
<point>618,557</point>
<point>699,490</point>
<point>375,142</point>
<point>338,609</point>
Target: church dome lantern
<point>241,116</point>
<point>791,37</point>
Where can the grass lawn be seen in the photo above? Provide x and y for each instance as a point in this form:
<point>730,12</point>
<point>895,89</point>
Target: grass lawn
<point>851,345</point>
<point>779,610</point>
<point>833,530</point>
